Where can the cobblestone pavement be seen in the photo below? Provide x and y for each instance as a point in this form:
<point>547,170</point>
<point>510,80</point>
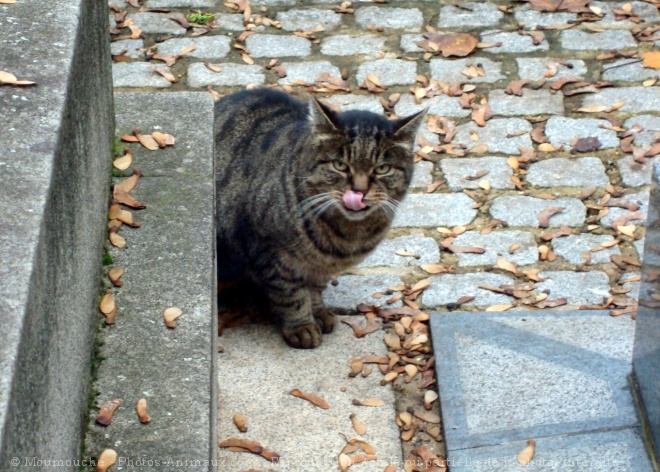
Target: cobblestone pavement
<point>488,186</point>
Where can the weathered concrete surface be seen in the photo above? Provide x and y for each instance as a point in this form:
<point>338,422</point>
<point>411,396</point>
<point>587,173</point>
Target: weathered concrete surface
<point>257,370</point>
<point>169,261</point>
<point>56,141</point>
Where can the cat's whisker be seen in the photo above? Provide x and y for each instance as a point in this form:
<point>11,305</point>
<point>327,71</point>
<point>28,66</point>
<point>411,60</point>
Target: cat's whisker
<point>320,210</point>
<point>312,201</point>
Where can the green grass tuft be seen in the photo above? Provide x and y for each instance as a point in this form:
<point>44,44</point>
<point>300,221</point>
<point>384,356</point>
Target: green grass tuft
<point>200,18</point>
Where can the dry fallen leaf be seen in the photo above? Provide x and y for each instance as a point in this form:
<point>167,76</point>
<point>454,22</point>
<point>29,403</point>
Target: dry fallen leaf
<point>141,409</point>
<point>526,455</point>
<point>449,44</point>
<point>106,460</point>
<point>502,307</point>
<point>104,418</point>
<point>125,161</point>
<point>115,275</point>
<point>429,397</point>
<point>170,315</point>
<point>146,140</point>
<point>546,214</point>
<point>358,425</point>
<point>168,75</point>
<point>362,326</point>
<point>310,397</point>
<point>246,445</point>
<point>163,139</point>
<point>369,402</point>
<point>240,421</point>
<point>651,59</point>
<point>107,304</point>
<point>576,6</point>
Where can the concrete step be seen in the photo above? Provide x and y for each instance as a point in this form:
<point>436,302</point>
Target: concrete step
<point>559,377</point>
<point>168,261</point>
<point>55,154</point>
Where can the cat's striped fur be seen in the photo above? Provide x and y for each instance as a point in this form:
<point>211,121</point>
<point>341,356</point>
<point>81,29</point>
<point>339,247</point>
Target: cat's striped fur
<point>282,169</point>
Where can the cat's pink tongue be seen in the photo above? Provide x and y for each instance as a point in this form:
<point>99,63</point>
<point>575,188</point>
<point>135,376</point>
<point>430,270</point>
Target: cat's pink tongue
<point>353,200</point>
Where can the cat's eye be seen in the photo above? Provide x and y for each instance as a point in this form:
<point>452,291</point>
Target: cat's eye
<point>341,166</point>
<point>382,169</point>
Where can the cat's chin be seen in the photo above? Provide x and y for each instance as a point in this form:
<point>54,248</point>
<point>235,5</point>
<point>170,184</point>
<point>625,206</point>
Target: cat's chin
<point>358,215</point>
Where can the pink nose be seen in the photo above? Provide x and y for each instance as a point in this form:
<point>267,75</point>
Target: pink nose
<point>353,200</point>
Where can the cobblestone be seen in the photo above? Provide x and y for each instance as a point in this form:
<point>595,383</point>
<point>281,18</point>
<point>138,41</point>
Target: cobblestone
<point>500,134</point>
<point>132,47</point>
<point>157,22</point>
<point>408,19</point>
<point>580,288</point>
<point>438,209</point>
<point>440,105</point>
<point>535,68</point>
<point>497,244</point>
<point>446,70</point>
<point>293,20</point>
<point>355,289</point>
<point>408,42</point>
<point>561,131</point>
<point>512,43</point>
<point>349,45</point>
<point>639,247</point>
<point>276,45</point>
<point>471,15</point>
<point>448,288</point>
<point>389,71</point>
<point>139,74</point>
<point>571,248</point>
<point>530,18</point>
<point>385,254</point>
<point>207,47</point>
<point>635,99</point>
<point>651,131</point>
<point>582,41</point>
<point>355,102</point>
<point>455,172</point>
<point>307,71</point>
<point>641,198</point>
<point>634,286</point>
<point>231,75</point>
<point>524,211</point>
<point>633,71</point>
<point>634,174</point>
<point>230,21</point>
<point>563,172</point>
<point>422,177</point>
<point>180,3</point>
<point>532,102</point>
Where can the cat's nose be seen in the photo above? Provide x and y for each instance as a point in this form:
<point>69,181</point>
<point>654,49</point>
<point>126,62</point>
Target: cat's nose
<point>360,183</point>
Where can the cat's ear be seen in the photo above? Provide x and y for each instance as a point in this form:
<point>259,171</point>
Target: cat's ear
<point>321,116</point>
<point>406,128</point>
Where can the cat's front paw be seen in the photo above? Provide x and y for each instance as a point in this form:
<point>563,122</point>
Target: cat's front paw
<point>326,320</point>
<point>307,336</point>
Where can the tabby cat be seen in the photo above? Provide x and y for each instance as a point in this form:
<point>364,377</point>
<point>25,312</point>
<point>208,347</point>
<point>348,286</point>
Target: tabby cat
<point>303,192</point>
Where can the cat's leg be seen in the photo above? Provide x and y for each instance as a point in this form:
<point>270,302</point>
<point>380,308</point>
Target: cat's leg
<point>324,316</point>
<point>291,303</point>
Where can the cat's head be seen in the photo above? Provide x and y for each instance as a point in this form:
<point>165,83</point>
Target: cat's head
<point>360,163</point>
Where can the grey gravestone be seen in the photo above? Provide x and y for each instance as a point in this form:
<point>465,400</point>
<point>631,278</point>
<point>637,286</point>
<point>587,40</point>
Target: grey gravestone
<point>646,357</point>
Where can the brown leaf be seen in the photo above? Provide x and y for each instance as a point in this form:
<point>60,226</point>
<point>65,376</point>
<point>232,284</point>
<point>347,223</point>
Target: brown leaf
<point>125,198</point>
<point>104,418</point>
<point>168,75</point>
<point>563,231</point>
<point>465,249</point>
<point>544,215</point>
<point>107,303</point>
<point>170,315</point>
<point>141,409</point>
<point>114,275</point>
<point>362,326</point>
<point>507,266</point>
<point>310,397</point>
<point>526,455</point>
<point>115,239</point>
<point>559,83</point>
<point>249,446</point>
<point>125,161</point>
<point>516,87</point>
<point>576,6</point>
<point>482,113</point>
<point>240,421</point>
<point>369,402</point>
<point>128,184</point>
<point>449,44</point>
<point>358,425</point>
<point>163,139</point>
<point>587,145</point>
<point>146,140</point>
<point>651,59</point>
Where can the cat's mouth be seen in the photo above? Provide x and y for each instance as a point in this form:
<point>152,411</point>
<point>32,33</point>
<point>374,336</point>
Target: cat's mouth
<point>353,201</point>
